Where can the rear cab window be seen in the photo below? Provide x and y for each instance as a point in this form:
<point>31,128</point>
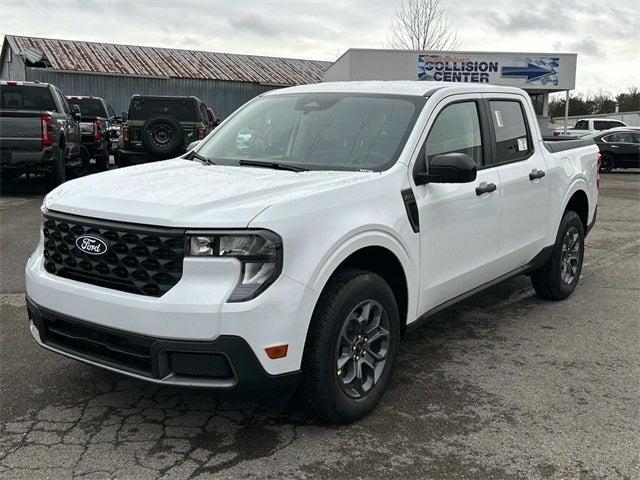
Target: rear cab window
<point>183,109</point>
<point>89,107</point>
<point>512,137</point>
<point>26,97</point>
<point>581,125</point>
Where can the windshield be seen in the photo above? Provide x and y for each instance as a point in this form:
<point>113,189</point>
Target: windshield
<point>89,107</point>
<point>317,131</point>
<point>25,97</point>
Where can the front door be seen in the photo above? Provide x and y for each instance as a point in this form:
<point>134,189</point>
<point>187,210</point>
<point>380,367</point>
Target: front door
<point>459,223</point>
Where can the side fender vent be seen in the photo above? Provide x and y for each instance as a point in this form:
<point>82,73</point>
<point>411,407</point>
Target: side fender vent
<point>411,206</point>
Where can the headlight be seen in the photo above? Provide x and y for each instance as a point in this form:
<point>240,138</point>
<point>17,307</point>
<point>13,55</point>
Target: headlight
<point>259,252</point>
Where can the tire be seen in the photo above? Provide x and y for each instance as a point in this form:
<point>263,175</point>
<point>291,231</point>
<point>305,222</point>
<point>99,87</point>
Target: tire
<point>607,164</point>
<point>162,136</point>
<point>83,168</point>
<point>121,160</point>
<point>102,160</point>
<point>58,174</point>
<point>553,281</point>
<point>325,386</point>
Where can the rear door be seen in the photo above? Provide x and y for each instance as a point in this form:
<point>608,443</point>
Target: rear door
<point>624,146</point>
<point>459,226</point>
<point>521,167</point>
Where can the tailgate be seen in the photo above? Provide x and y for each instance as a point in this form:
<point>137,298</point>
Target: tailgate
<point>20,130</point>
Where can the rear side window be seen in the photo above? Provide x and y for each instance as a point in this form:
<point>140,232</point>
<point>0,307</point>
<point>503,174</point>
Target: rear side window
<point>183,109</point>
<point>510,129</point>
<point>605,124</point>
<point>456,130</point>
<point>23,97</point>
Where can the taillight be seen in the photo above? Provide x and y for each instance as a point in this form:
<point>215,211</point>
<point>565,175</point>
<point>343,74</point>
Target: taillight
<point>201,133</point>
<point>598,162</point>
<point>47,131</point>
<point>97,130</point>
<point>125,133</point>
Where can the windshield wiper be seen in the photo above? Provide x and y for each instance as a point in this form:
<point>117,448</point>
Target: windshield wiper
<point>191,155</point>
<point>274,165</point>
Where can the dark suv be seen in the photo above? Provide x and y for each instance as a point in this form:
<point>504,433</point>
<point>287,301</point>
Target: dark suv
<point>161,127</point>
<point>98,127</point>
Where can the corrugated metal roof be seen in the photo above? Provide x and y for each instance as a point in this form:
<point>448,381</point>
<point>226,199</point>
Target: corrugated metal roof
<point>165,62</point>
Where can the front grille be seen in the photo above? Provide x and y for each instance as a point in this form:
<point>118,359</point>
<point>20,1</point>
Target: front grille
<point>127,351</point>
<point>139,259</point>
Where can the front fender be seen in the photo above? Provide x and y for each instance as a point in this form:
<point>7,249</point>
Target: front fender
<point>354,241</point>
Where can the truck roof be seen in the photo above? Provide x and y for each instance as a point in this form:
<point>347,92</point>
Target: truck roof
<point>416,88</point>
<point>29,84</point>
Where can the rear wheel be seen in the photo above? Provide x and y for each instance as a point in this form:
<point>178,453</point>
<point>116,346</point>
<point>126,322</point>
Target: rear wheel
<point>558,277</point>
<point>606,165</point>
<point>81,167</point>
<point>351,347</point>
<point>58,174</point>
<point>102,160</point>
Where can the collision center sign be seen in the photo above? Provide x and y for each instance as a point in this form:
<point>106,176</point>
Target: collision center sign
<point>526,71</point>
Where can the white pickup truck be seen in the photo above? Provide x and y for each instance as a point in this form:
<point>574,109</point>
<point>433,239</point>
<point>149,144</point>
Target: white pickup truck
<point>299,240</point>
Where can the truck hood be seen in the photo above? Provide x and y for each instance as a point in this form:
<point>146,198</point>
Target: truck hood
<point>189,194</point>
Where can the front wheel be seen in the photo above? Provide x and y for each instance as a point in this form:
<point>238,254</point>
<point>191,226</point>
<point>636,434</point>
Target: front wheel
<point>352,346</point>
<point>558,277</point>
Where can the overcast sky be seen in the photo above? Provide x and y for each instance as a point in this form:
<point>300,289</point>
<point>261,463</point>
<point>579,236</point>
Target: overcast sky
<point>605,34</point>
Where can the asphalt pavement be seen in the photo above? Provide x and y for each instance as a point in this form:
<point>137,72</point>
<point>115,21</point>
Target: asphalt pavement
<point>504,386</point>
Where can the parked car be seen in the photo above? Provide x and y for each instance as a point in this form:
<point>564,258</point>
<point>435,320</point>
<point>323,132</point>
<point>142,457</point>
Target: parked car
<point>296,244</point>
<point>160,127</point>
<point>99,127</point>
<point>39,132</point>
<point>620,148</point>
<point>588,126</point>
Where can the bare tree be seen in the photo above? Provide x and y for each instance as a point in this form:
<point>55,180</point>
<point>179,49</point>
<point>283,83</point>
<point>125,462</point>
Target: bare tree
<point>422,25</point>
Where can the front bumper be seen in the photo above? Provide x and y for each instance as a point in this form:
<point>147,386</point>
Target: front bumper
<point>193,310</point>
<point>226,365</point>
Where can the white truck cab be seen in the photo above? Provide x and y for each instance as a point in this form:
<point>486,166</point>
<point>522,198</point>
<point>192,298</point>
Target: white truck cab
<point>299,240</point>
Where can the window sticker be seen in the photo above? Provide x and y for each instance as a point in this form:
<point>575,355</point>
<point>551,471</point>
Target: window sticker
<point>522,144</point>
<point>499,118</point>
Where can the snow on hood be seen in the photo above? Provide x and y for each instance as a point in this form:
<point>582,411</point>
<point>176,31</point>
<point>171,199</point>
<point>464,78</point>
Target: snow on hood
<point>189,194</point>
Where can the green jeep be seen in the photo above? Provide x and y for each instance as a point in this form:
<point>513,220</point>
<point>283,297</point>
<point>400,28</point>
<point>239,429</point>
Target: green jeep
<point>161,127</point>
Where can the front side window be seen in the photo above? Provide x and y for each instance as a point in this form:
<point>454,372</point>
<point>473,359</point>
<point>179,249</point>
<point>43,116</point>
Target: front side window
<point>317,131</point>
<point>621,137</point>
<point>456,130</point>
<point>510,130</point>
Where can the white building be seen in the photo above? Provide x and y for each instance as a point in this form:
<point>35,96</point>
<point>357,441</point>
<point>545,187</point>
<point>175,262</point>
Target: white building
<point>537,73</point>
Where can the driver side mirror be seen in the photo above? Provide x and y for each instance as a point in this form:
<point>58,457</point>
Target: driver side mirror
<point>447,168</point>
<point>75,109</point>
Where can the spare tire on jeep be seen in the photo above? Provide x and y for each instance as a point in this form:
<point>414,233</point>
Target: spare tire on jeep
<point>162,136</point>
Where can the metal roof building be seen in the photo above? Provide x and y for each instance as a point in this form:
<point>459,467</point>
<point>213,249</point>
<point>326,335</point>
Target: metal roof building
<point>115,72</point>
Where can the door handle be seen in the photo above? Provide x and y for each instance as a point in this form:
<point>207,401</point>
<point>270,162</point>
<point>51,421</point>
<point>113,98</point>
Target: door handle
<point>485,187</point>
<point>614,146</point>
<point>536,174</point>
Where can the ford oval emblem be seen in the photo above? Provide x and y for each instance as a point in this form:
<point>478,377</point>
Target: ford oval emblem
<point>91,244</point>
